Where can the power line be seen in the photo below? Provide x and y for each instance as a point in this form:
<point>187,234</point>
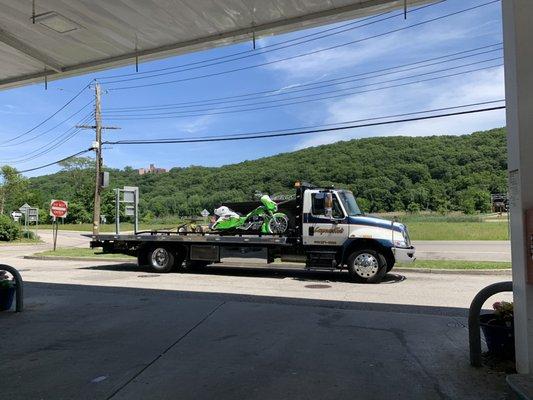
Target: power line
<point>121,113</point>
<point>309,86</point>
<point>250,136</point>
<point>56,162</point>
<point>48,118</point>
<point>38,135</point>
<point>49,149</point>
<point>60,140</point>
<point>263,50</point>
<point>286,58</point>
<point>179,114</point>
<point>279,102</point>
<point>483,103</point>
<point>162,140</point>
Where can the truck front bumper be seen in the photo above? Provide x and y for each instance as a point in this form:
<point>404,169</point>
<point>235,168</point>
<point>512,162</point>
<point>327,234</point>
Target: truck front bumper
<point>404,255</point>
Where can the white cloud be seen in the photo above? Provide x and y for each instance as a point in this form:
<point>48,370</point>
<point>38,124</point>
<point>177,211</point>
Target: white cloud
<point>424,39</point>
<point>470,88</point>
<point>196,125</point>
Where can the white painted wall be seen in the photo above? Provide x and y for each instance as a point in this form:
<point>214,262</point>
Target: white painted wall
<point>518,34</point>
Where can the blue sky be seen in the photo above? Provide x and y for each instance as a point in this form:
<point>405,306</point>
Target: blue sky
<point>22,108</point>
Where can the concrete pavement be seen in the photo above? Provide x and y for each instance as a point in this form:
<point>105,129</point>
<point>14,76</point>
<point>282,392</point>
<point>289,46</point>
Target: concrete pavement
<point>97,330</point>
<point>93,342</point>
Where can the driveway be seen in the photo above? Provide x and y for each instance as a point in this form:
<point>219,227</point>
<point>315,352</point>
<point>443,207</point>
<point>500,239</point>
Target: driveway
<point>100,330</point>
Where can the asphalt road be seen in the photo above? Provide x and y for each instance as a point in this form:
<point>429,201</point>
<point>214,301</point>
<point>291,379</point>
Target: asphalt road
<point>475,250</point>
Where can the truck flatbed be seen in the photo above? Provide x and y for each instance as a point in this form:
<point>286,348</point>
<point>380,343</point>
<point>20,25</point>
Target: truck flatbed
<point>192,238</point>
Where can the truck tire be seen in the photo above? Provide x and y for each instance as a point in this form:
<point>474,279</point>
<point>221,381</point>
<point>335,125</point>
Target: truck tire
<point>367,266</point>
<point>161,259</point>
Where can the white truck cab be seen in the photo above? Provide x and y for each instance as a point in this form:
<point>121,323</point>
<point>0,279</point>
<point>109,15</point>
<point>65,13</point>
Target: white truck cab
<point>369,246</point>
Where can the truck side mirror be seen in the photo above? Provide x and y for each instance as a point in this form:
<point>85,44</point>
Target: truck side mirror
<point>328,205</point>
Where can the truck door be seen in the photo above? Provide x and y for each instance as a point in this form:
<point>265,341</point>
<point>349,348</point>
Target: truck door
<point>320,228</point>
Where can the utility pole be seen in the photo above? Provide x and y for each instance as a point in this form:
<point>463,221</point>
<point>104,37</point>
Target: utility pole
<point>98,162</point>
<point>98,153</point>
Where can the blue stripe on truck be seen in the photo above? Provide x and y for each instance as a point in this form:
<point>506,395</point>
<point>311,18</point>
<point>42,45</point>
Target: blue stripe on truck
<point>361,220</point>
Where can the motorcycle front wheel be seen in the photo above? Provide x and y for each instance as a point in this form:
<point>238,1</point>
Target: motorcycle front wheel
<point>278,224</point>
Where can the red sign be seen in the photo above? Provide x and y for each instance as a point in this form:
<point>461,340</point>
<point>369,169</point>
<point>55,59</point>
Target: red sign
<point>58,208</point>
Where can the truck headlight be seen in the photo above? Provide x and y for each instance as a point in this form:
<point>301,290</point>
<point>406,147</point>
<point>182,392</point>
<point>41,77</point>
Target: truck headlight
<point>400,243</point>
<point>404,242</point>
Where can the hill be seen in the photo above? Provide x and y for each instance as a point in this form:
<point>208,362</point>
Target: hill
<point>385,173</point>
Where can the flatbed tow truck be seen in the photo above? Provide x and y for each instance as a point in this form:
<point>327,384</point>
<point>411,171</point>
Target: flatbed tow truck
<point>326,231</point>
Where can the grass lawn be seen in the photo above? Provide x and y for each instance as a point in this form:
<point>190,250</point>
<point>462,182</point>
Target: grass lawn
<point>454,264</point>
<point>80,252</point>
<point>458,230</point>
<point>421,227</point>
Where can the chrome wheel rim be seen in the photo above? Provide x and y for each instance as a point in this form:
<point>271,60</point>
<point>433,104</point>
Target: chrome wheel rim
<point>278,224</point>
<point>366,265</point>
<point>160,258</point>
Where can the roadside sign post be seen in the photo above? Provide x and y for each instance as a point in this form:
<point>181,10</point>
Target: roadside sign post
<point>24,210</point>
<point>131,199</point>
<point>117,211</point>
<point>33,216</point>
<point>58,209</point>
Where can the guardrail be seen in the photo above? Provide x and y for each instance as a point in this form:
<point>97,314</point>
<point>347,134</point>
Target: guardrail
<point>474,334</point>
<point>19,286</point>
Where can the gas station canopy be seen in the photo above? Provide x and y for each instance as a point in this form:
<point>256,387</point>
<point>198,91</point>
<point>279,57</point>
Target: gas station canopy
<point>60,38</point>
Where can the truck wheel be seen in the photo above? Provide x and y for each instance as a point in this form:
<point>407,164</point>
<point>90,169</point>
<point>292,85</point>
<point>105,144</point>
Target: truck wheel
<point>161,259</point>
<point>367,265</point>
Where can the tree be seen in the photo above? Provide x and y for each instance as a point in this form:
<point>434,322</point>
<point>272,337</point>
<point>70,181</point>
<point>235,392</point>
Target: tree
<point>439,173</point>
<point>13,189</point>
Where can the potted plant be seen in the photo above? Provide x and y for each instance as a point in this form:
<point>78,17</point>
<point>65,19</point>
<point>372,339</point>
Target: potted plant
<point>498,329</point>
<point>7,291</point>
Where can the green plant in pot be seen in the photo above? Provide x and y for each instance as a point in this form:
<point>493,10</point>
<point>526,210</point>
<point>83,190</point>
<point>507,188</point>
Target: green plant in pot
<point>7,291</point>
<point>498,329</point>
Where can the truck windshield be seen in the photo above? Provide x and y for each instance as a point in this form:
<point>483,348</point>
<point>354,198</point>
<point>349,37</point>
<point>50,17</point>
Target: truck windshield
<point>349,203</point>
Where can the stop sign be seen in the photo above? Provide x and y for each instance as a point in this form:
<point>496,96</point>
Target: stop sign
<point>58,208</point>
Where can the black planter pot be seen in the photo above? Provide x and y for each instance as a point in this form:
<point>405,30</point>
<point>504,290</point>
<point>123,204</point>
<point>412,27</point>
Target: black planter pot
<point>6,298</point>
<point>499,338</point>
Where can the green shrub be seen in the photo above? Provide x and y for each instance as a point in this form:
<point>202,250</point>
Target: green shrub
<point>9,229</point>
<point>29,235</point>
<point>413,208</point>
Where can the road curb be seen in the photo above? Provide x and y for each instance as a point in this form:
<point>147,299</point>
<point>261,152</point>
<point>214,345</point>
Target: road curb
<point>65,258</point>
<point>456,271</point>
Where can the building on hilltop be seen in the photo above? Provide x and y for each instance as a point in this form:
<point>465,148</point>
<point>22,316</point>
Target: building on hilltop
<point>151,170</point>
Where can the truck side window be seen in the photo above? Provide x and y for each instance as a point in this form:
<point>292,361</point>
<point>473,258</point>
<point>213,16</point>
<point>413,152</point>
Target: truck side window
<point>318,205</point>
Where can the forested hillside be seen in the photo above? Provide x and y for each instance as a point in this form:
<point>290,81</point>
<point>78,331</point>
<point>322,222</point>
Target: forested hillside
<point>387,173</point>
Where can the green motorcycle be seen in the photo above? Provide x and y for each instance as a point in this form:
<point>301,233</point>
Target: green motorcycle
<point>264,219</point>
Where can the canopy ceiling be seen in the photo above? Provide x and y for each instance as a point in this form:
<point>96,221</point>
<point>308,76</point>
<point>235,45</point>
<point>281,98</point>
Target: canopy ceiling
<point>60,38</point>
